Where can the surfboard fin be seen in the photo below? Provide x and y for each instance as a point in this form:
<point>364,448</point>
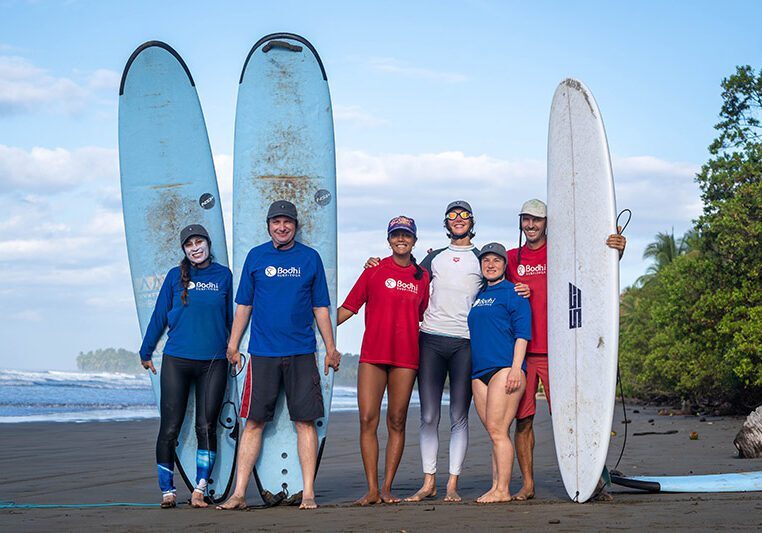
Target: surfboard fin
<point>271,499</point>
<point>294,499</point>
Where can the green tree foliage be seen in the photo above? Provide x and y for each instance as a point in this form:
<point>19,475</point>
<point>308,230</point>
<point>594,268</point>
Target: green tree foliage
<point>666,249</point>
<point>110,360</point>
<point>693,328</point>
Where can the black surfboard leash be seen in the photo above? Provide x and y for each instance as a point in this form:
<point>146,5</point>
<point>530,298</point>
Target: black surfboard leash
<point>618,372</point>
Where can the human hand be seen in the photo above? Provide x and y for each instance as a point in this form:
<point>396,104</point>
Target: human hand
<point>372,262</point>
<point>148,365</point>
<point>513,381</point>
<point>522,289</point>
<point>332,360</point>
<point>617,241</point>
<point>234,358</point>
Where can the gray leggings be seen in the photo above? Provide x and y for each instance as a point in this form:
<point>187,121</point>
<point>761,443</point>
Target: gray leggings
<point>441,356</point>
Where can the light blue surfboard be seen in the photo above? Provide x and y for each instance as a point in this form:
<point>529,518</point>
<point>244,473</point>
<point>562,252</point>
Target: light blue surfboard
<point>739,482</point>
<point>168,181</point>
<point>284,149</point>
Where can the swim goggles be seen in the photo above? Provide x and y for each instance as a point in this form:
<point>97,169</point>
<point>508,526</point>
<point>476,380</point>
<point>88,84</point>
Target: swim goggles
<point>452,215</point>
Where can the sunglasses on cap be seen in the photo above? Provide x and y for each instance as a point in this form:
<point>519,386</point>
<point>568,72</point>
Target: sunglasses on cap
<point>452,215</point>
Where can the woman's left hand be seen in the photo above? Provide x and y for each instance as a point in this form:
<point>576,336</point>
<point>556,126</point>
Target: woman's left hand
<point>148,365</point>
<point>513,382</point>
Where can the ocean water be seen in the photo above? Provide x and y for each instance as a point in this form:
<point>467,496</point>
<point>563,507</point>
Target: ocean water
<point>54,396</point>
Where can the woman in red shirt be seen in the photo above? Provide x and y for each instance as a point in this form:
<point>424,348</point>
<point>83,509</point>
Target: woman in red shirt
<point>396,294</point>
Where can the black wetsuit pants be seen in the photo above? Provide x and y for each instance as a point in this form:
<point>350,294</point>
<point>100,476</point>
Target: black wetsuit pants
<point>177,375</point>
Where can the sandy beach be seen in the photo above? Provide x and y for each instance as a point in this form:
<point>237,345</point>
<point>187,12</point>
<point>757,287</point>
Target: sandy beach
<point>63,463</point>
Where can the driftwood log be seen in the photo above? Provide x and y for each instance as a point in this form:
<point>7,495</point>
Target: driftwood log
<point>749,439</point>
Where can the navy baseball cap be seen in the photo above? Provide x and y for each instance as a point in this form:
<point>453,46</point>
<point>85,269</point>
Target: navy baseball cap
<point>403,223</point>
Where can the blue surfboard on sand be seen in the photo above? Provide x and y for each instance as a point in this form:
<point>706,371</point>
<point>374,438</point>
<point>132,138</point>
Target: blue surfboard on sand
<point>739,482</point>
<point>168,181</point>
<point>284,149</point>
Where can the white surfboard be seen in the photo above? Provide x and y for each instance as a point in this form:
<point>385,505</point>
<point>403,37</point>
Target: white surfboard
<point>583,288</point>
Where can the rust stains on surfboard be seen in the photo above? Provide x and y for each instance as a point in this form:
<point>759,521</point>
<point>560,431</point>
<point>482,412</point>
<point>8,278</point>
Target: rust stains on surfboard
<point>577,86</point>
<point>169,213</point>
<point>287,88</point>
<point>300,190</point>
<point>286,149</point>
<point>168,185</point>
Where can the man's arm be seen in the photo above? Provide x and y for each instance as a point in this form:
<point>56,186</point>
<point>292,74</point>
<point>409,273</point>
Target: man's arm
<point>332,355</point>
<point>240,321</point>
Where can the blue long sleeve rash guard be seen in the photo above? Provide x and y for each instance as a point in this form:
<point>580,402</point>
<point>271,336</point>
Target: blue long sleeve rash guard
<point>497,318</point>
<point>200,329</point>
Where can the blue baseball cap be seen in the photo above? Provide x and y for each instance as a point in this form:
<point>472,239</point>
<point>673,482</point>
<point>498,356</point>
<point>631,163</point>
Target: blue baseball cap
<point>403,223</point>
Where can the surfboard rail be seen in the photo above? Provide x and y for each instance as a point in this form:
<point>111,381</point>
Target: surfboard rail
<point>730,482</point>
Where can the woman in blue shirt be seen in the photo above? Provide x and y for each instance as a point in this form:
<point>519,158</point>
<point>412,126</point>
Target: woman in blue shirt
<point>195,302</point>
<point>500,326</point>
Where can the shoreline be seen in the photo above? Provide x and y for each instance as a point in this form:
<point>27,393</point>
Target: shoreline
<point>92,462</point>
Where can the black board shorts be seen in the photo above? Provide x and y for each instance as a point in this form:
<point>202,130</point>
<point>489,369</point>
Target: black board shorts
<point>298,375</point>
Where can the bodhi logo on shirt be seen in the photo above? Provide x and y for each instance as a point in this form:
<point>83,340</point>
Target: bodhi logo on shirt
<point>201,286</point>
<point>483,302</point>
<point>392,283</point>
<point>529,270</point>
<point>282,272</point>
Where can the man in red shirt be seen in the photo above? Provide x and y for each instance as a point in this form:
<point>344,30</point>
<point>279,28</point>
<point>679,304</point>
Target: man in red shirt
<point>527,269</point>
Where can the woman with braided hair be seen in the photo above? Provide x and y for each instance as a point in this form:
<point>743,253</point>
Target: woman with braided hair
<point>395,295</point>
<point>195,303</point>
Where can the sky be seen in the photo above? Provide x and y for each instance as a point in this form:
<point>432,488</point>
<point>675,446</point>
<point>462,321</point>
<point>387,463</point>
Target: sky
<point>433,101</point>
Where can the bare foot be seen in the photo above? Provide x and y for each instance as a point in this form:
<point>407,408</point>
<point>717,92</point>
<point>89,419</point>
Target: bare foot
<point>197,499</point>
<point>423,493</point>
<point>452,496</point>
<point>526,493</point>
<point>452,490</point>
<point>388,497</point>
<point>308,503</point>
<point>168,501</point>
<point>370,498</point>
<point>494,496</point>
<point>234,502</point>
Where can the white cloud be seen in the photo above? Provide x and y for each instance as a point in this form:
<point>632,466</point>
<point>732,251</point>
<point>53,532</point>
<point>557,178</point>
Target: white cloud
<point>104,80</point>
<point>395,66</point>
<point>661,194</point>
<point>25,87</point>
<point>456,169</point>
<point>356,115</point>
<point>47,171</point>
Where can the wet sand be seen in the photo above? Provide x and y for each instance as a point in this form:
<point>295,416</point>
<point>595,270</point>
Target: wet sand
<point>114,462</point>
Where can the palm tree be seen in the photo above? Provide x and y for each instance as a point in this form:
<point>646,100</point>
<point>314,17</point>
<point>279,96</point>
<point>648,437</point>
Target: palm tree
<point>666,249</point>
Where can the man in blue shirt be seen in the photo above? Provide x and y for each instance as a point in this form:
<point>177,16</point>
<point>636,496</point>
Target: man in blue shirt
<point>282,288</point>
